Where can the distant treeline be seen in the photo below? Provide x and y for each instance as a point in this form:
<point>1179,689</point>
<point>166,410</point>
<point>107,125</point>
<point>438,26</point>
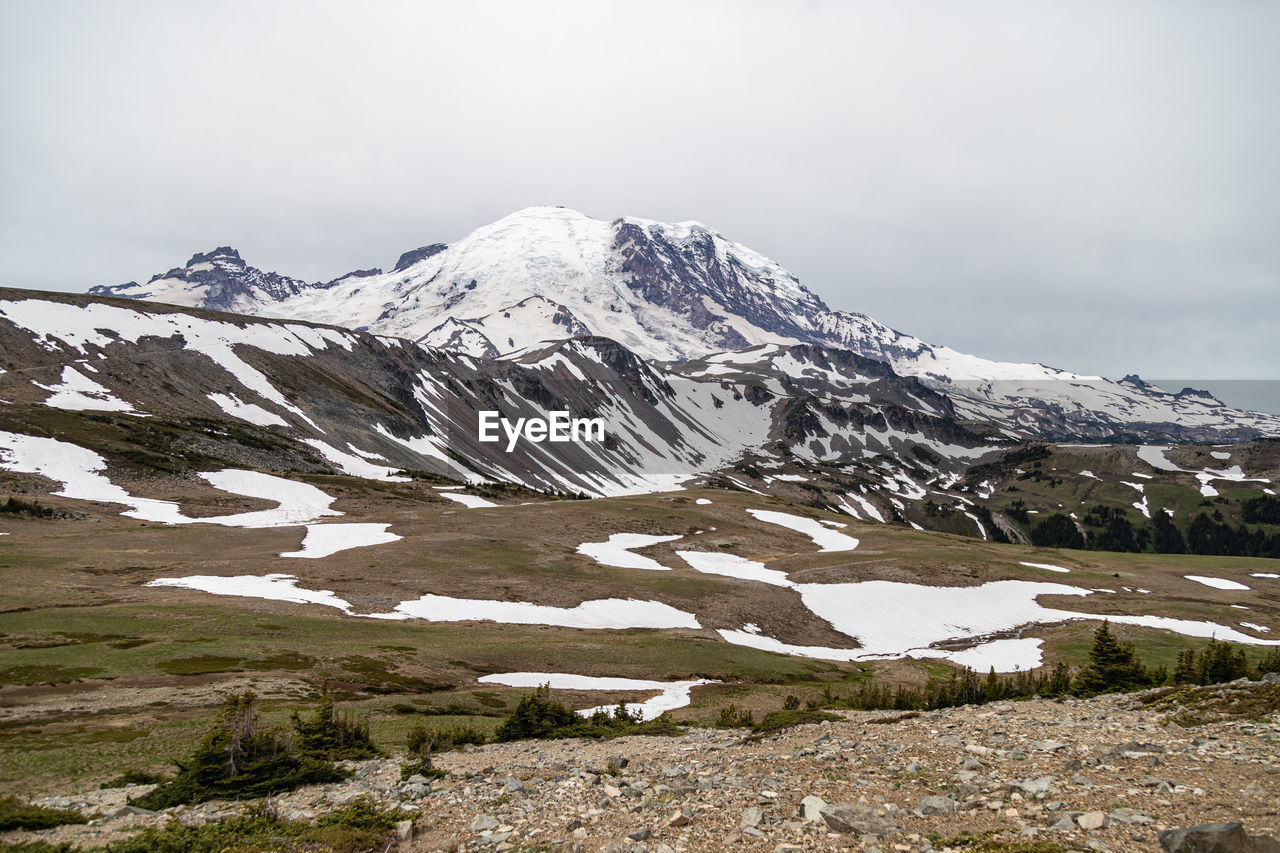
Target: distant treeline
<point>1113,667</point>
<point>1110,529</point>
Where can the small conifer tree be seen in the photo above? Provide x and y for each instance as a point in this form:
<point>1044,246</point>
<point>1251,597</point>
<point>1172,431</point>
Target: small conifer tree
<point>1113,666</point>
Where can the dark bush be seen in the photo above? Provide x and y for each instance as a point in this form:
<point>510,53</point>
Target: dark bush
<point>733,717</point>
<point>538,716</point>
<point>241,758</point>
<point>330,736</point>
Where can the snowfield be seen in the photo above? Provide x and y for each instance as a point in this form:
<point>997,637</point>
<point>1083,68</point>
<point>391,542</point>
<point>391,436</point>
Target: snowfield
<point>58,324</point>
<point>893,620</point>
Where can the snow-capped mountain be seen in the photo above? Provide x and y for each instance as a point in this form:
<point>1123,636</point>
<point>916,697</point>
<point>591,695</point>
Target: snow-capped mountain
<point>673,293</point>
<point>665,291</point>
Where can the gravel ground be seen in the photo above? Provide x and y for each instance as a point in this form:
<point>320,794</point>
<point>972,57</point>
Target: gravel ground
<point>1102,774</point>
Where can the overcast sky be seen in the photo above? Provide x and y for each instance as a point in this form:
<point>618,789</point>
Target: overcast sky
<point>1090,185</point>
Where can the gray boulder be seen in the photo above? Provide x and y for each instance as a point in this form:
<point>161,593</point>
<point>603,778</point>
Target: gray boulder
<point>484,822</point>
<point>931,806</point>
<point>859,819</point>
<point>1216,838</point>
<point>811,808</point>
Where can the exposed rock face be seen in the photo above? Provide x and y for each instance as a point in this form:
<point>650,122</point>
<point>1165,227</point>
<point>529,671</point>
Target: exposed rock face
<point>410,258</point>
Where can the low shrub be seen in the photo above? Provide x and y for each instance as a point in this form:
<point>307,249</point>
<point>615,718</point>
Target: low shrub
<point>733,717</point>
<point>357,827</point>
<point>134,777</point>
<point>777,720</point>
<point>15,814</point>
<point>538,716</point>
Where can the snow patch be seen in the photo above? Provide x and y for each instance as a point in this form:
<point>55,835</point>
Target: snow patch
<point>321,540</point>
<point>469,501</point>
<point>1216,583</point>
<point>79,393</point>
<point>273,587</point>
<point>353,465</point>
<point>616,551</point>
<point>1047,566</point>
<point>603,613</point>
<point>825,538</point>
<point>79,471</point>
<point>733,566</point>
<point>250,412</point>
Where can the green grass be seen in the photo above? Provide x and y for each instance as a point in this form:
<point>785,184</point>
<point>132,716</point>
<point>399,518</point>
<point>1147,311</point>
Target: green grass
<point>1156,648</point>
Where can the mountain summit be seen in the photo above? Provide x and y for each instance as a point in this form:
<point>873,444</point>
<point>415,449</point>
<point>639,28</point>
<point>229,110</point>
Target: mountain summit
<point>667,291</point>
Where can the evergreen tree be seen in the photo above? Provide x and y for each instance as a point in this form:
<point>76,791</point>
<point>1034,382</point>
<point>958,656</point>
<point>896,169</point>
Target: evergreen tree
<point>331,736</point>
<point>1056,531</point>
<point>239,757</point>
<point>1184,672</point>
<point>1113,666</point>
<point>1165,538</point>
<point>1219,663</point>
<point>537,715</point>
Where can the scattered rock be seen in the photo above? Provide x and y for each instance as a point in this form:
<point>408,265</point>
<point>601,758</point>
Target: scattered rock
<point>681,817</point>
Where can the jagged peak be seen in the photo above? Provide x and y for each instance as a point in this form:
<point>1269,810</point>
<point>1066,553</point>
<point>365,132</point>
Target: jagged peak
<point>226,252</point>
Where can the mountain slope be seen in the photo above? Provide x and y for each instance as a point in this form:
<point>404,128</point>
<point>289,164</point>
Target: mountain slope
<point>370,405</point>
<point>182,391</point>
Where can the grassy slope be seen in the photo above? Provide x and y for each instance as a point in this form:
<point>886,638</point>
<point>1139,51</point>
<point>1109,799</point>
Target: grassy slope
<point>75,608</point>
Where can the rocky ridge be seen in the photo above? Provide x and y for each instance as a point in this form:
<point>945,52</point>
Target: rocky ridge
<point>1108,773</point>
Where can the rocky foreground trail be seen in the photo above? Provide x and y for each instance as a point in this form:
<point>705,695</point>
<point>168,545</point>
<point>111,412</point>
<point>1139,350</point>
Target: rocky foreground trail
<point>1102,774</point>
